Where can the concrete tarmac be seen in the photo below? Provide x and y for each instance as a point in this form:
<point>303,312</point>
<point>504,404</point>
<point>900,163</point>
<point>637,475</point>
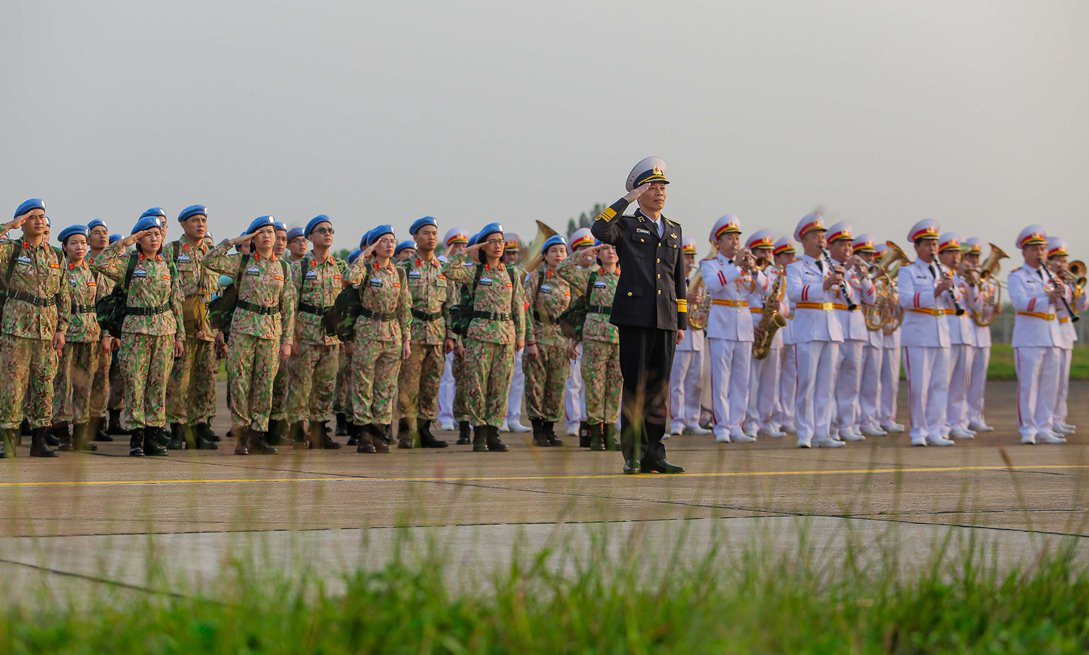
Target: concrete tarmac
<point>80,522</point>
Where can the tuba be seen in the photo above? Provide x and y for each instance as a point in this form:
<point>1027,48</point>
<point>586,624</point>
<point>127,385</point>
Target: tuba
<point>891,262</point>
<point>697,316</point>
<point>535,257</point>
<point>771,319</point>
<point>990,287</point>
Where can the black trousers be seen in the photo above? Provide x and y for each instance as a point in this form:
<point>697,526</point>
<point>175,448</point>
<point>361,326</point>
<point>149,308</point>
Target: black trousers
<point>646,358</point>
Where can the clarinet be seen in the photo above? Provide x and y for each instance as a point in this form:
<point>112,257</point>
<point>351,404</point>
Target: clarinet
<point>851,306</point>
<point>957,309</point>
<point>1074,318</point>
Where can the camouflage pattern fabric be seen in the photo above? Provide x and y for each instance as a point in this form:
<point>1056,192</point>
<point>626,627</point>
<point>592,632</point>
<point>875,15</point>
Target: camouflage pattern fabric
<point>72,384</point>
<point>252,363</point>
<point>279,394</point>
<point>461,386</point>
<point>191,397</point>
<point>601,380</point>
<point>145,360</point>
<point>313,379</point>
<point>489,367</point>
<point>597,326</point>
<point>153,285</point>
<point>342,402</point>
<point>547,295</point>
<point>26,362</point>
<point>432,296</point>
<point>376,356</point>
<point>82,292</point>
<point>263,284</point>
<point>419,382</point>
<point>100,384</point>
<point>312,374</point>
<point>373,362</point>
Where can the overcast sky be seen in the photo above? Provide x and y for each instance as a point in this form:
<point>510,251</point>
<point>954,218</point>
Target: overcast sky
<point>974,113</point>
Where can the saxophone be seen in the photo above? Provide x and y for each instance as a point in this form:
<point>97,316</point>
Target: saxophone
<point>771,319</point>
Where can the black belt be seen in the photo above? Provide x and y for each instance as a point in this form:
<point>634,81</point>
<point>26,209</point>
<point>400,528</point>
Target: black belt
<point>30,298</point>
<point>257,309</point>
<point>312,309</point>
<point>148,311</point>
<point>378,316</point>
<point>600,309</point>
<point>492,316</point>
<point>83,309</point>
<point>426,316</point>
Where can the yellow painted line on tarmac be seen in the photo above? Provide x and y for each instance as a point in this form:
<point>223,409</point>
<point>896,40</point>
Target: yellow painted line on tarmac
<point>534,478</point>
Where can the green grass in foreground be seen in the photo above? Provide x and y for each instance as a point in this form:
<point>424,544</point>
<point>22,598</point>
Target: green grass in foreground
<point>745,604</point>
<point>1001,365</point>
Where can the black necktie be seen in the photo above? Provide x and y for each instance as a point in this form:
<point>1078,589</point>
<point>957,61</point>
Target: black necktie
<point>1040,273</point>
<point>930,267</point>
<point>820,266</point>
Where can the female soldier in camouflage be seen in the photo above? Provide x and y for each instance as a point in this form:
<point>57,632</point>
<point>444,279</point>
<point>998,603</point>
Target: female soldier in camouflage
<point>262,329</point>
<point>152,335</point>
<point>600,340</point>
<point>381,338</point>
<point>342,399</point>
<point>277,418</point>
<point>546,364</point>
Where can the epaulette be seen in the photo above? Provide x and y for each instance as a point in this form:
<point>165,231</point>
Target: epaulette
<point>672,222</point>
<point>1016,269</point>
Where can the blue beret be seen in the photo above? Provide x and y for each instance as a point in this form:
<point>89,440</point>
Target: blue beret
<point>145,223</point>
<point>96,222</point>
<point>404,244</point>
<point>316,221</point>
<point>154,211</point>
<point>191,211</point>
<point>48,221</point>
<point>598,242</point>
<point>72,230</point>
<point>33,203</point>
<point>472,240</point>
<point>420,222</point>
<point>554,240</point>
<point>354,255</point>
<point>260,222</point>
<point>281,226</point>
<point>114,238</point>
<point>294,233</point>
<point>489,229</point>
<point>378,232</point>
<point>363,239</point>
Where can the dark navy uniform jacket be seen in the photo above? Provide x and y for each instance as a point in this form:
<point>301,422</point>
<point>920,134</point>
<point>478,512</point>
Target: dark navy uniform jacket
<point>651,289</point>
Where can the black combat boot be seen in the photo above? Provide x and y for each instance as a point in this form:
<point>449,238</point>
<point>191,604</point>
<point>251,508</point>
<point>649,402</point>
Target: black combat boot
<point>495,444</point>
<point>539,437</point>
<point>550,434</point>
<point>428,440</point>
<point>405,434</point>
<point>38,445</point>
<point>320,437</point>
<point>177,437</point>
<point>361,438</point>
<point>115,423</point>
<point>52,439</point>
<point>354,431</point>
<point>81,433</point>
<point>136,443</point>
<point>597,441</point>
<point>205,431</point>
<point>62,436</point>
<point>99,430</point>
<point>608,430</point>
<point>584,434</point>
<point>377,435</point>
<point>298,436</point>
<point>154,438</point>
<point>259,444</point>
<point>342,426</point>
<point>480,439</point>
<point>197,439</point>
<point>243,445</point>
<point>24,429</point>
<point>275,434</point>
<point>463,434</point>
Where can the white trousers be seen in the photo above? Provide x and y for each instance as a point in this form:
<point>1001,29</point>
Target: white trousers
<point>1065,359</point>
<point>869,392</point>
<point>928,384</point>
<point>890,383</point>
<point>729,381</point>
<point>574,398</point>
<point>977,383</point>
<point>446,391</point>
<point>763,389</point>
<point>684,387</point>
<point>1037,385</point>
<point>517,389</point>
<point>788,382</point>
<point>960,367</point>
<point>816,365</point>
<point>848,379</point>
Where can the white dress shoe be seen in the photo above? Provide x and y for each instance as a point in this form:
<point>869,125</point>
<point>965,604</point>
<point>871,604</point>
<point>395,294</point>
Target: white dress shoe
<point>504,427</point>
<point>892,427</point>
<point>1063,428</point>
<point>848,434</point>
<point>737,435</point>
<point>918,441</point>
<point>1028,439</point>
<point>873,431</point>
<point>517,427</point>
<point>1068,426</point>
<point>695,429</point>
<point>803,443</point>
<point>722,435</point>
<point>676,428</point>
<point>772,434</point>
<point>828,442</point>
<point>979,426</point>
<point>1048,437</point>
<point>446,426</point>
<point>572,429</point>
<point>958,433</point>
<point>788,427</point>
<point>938,440</point>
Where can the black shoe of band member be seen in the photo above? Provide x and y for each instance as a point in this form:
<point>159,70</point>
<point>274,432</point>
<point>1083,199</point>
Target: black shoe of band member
<point>62,436</point>
<point>100,433</point>
<point>259,444</point>
<point>342,425</point>
<point>205,431</point>
<point>495,444</point>
<point>584,434</point>
<point>377,435</point>
<point>81,441</point>
<point>427,439</point>
<point>597,442</point>
<point>550,434</point>
<point>115,423</point>
<point>608,430</point>
<point>195,438</point>
<point>177,437</point>
<point>480,439</point>
<point>136,443</point>
<point>539,437</point>
<point>463,434</point>
<point>153,441</point>
<point>38,445</point>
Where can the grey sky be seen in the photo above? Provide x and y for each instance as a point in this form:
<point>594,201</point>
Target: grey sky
<point>975,113</point>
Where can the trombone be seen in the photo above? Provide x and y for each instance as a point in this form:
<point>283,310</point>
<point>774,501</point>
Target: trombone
<point>990,286</point>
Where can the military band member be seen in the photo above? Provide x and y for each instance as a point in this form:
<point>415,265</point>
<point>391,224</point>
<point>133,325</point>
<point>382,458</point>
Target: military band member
<point>98,238</point>
<point>784,254</point>
<point>961,338</point>
<point>431,338</point>
<point>1057,258</point>
<point>497,329</point>
<point>650,310</point>
<point>152,335</point>
<point>764,373</point>
<point>890,367</point>
<point>511,255</point>
<point>981,351</point>
<point>684,379</point>
<point>297,245</point>
<point>869,393</point>
<point>546,362</point>
<point>574,397</point>
<point>455,241</point>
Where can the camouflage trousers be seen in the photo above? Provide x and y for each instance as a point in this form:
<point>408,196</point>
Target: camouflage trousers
<point>72,384</point>
<point>461,386</point>
<point>279,394</point>
<point>602,380</point>
<point>252,363</point>
<point>488,369</point>
<point>117,385</point>
<point>100,384</point>
<point>145,361</point>
<point>546,375</point>
<point>312,379</point>
<point>375,365</point>
<point>419,382</point>
<point>30,363</point>
<point>342,397</point>
<point>191,397</point>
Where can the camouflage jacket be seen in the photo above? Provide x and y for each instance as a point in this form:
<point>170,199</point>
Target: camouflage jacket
<point>83,292</point>
<point>596,327</point>
<point>317,285</point>
<point>152,286</point>
<point>432,296</point>
<point>37,303</point>
<point>500,303</point>
<point>104,285</point>
<point>197,282</point>
<point>263,285</point>
<point>547,296</point>
<point>386,300</point>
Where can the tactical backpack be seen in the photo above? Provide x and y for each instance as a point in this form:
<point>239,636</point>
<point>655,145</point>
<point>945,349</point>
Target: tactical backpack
<point>16,251</point>
<point>112,309</point>
<point>339,320</point>
<point>221,310</point>
<point>461,314</point>
<point>574,317</point>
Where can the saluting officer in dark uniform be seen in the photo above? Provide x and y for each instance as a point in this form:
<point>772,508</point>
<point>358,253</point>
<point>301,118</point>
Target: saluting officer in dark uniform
<point>649,309</point>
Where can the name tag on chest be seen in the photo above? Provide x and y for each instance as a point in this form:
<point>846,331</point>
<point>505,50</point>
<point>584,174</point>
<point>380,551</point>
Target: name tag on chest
<point>546,288</point>
<point>184,259</point>
<point>253,270</point>
<point>599,285</point>
<point>640,230</point>
<point>377,281</point>
<point>311,275</point>
<point>139,273</point>
<point>414,275</point>
<point>485,281</point>
<point>23,259</point>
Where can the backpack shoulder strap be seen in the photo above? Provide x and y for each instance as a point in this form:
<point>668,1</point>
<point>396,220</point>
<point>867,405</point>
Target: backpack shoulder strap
<point>130,269</point>
<point>175,247</point>
<point>241,270</point>
<point>16,251</point>
<point>590,286</point>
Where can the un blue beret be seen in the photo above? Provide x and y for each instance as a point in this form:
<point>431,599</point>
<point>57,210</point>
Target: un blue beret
<point>96,222</point>
<point>294,233</point>
<point>363,239</point>
<point>554,240</point>
<point>260,222</point>
<point>191,211</point>
<point>489,229</point>
<point>314,222</point>
<point>378,232</point>
<point>48,221</point>
<point>154,211</point>
<point>354,255</point>
<point>72,230</point>
<point>33,203</point>
<point>404,244</point>
<point>472,240</point>
<point>281,226</point>
<point>420,222</point>
<point>146,223</point>
<point>114,238</point>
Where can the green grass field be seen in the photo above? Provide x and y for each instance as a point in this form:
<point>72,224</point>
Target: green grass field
<point>1001,366</point>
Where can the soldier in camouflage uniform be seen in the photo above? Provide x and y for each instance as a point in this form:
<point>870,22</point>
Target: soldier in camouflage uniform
<point>457,369</point>
<point>600,340</point>
<point>342,403</point>
<point>431,339</point>
<point>35,319</point>
<point>191,399</point>
<point>381,338</point>
<point>262,329</point>
<point>318,279</point>
<point>152,335</point>
<point>116,385</point>
<point>297,245</point>
<point>546,361</point>
<point>79,360</point>
<point>497,329</point>
<point>98,238</point>
<point>277,428</point>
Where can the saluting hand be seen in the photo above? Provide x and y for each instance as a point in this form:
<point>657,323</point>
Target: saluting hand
<point>16,222</point>
<point>587,256</point>
<point>633,195</point>
<point>133,238</point>
<point>242,239</point>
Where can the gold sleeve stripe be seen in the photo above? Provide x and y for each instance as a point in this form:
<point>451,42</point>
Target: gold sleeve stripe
<point>607,215</point>
<point>682,306</point>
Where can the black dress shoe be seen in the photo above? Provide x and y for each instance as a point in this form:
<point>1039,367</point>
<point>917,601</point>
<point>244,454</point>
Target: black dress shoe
<point>660,466</point>
<point>631,466</point>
